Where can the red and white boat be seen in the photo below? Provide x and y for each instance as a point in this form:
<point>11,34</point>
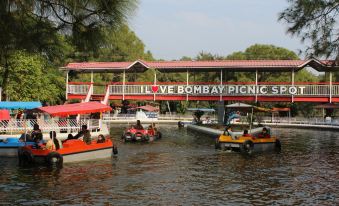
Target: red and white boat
<point>72,151</point>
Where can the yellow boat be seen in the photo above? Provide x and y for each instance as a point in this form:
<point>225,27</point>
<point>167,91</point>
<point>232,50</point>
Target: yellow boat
<point>236,141</point>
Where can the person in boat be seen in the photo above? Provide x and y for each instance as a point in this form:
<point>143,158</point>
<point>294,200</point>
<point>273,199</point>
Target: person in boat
<point>138,126</point>
<point>36,134</point>
<point>53,143</point>
<point>84,134</point>
<point>26,138</point>
<point>245,134</point>
<point>152,130</point>
<point>101,139</point>
<point>264,133</point>
<point>227,130</point>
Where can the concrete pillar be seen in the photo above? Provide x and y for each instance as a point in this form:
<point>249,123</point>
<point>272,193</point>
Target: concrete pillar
<point>221,83</point>
<point>256,85</point>
<point>123,85</point>
<point>330,87</point>
<point>187,83</point>
<point>221,112</point>
<point>66,87</point>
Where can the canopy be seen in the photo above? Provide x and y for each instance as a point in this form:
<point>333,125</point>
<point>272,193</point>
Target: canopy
<point>19,105</point>
<point>74,109</point>
<point>148,108</point>
<point>239,105</point>
<point>4,115</point>
<point>276,109</point>
<point>201,109</point>
<point>247,107</point>
<point>327,106</point>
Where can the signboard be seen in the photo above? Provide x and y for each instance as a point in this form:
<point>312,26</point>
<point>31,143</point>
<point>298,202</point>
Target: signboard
<point>224,89</point>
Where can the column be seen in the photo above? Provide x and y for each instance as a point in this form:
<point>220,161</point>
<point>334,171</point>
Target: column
<point>220,83</point>
<point>66,86</point>
<point>256,85</point>
<point>330,87</point>
<point>187,83</point>
<point>155,82</point>
<point>123,85</point>
<point>292,83</point>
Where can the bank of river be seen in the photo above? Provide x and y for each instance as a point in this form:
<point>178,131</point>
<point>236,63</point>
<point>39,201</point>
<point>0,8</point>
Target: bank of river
<point>184,169</point>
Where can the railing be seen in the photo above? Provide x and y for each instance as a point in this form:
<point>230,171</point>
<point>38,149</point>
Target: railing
<point>268,89</point>
<point>301,120</point>
<point>62,125</point>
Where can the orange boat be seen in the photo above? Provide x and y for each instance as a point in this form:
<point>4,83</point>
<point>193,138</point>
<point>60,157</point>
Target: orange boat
<point>72,151</point>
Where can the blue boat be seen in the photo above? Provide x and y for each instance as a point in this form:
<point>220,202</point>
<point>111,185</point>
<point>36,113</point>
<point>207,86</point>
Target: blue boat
<point>9,146</point>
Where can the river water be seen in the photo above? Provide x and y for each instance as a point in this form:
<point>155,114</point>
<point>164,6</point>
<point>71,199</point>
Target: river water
<point>183,168</point>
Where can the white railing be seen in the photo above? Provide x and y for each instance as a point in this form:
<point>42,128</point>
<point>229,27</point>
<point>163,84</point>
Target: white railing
<point>67,125</point>
<point>300,120</point>
<point>230,90</point>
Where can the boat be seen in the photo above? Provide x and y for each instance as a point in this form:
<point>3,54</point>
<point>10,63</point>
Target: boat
<point>72,151</point>
<point>9,146</point>
<point>141,135</point>
<point>256,140</point>
<point>249,143</point>
<point>10,150</point>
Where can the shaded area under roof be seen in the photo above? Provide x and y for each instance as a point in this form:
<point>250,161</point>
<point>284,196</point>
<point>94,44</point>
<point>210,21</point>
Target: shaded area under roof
<point>204,66</point>
<point>75,109</point>
<point>148,108</point>
<point>19,105</point>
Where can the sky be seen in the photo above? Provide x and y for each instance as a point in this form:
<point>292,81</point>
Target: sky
<point>171,29</point>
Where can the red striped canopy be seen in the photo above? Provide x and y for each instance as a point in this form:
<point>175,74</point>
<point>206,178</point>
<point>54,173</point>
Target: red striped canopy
<point>4,115</point>
<point>74,109</point>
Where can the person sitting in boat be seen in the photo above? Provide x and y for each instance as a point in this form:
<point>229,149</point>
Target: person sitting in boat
<point>245,134</point>
<point>264,133</point>
<point>138,126</point>
<point>227,130</point>
<point>36,134</point>
<point>83,133</point>
<point>101,139</point>
<point>53,143</point>
<point>152,130</point>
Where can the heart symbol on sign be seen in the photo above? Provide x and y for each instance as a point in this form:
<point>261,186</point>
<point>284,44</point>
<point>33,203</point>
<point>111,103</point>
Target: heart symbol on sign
<point>155,88</point>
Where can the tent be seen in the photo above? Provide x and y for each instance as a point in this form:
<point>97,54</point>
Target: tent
<point>4,115</point>
<point>75,109</point>
<point>19,105</point>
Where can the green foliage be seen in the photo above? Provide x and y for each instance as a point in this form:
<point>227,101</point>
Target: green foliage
<point>315,21</point>
<point>30,78</point>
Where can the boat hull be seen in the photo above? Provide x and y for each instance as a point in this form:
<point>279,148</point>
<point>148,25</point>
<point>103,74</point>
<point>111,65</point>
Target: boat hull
<point>82,156</point>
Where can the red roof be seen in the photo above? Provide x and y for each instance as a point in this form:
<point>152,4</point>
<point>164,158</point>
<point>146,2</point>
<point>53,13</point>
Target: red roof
<point>173,66</point>
<point>74,109</point>
<point>4,115</point>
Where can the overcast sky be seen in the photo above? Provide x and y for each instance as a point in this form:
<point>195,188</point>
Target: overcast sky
<point>171,29</point>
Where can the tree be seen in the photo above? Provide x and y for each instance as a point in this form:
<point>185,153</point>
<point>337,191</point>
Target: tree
<point>56,29</point>
<point>317,21</point>
<point>31,78</point>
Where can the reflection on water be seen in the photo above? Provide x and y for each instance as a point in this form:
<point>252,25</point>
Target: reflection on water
<point>184,169</point>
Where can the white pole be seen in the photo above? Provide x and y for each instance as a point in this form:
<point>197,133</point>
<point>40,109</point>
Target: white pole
<point>292,83</point>
<point>92,77</point>
<point>155,82</point>
<point>187,83</point>
<point>330,87</point>
<point>66,86</point>
<point>221,84</point>
<point>123,85</point>
<point>256,85</point>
